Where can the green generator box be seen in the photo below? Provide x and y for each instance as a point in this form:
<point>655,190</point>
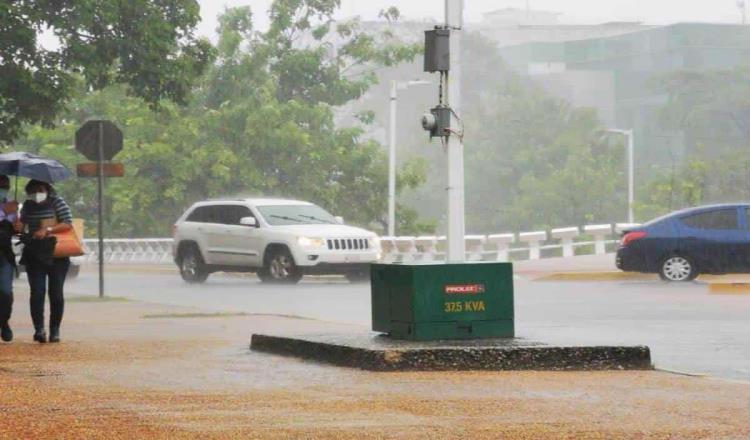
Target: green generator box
<point>433,301</point>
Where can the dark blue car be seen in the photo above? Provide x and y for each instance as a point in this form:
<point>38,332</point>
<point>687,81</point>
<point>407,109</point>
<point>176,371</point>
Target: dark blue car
<point>683,244</point>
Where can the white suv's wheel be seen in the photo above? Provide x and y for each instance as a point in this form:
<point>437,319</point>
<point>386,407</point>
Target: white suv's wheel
<point>192,267</point>
<point>279,267</point>
<point>678,268</point>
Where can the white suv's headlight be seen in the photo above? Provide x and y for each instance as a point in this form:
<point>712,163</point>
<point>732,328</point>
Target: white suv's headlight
<point>310,242</point>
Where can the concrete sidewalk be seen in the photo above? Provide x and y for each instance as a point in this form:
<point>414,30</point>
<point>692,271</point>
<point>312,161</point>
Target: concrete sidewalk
<point>138,370</point>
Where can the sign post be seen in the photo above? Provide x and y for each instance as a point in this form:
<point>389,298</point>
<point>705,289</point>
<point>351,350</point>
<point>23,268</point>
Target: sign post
<point>100,209</point>
<point>99,141</point>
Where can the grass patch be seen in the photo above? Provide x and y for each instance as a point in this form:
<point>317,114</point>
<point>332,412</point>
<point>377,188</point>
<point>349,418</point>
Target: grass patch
<point>194,315</point>
<point>88,299</point>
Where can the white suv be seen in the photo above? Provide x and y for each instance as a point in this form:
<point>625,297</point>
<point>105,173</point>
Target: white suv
<point>280,240</point>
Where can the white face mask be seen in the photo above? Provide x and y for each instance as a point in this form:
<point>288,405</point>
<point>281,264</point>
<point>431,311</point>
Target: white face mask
<point>39,197</point>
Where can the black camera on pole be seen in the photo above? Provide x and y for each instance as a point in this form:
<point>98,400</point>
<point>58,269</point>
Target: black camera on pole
<point>438,121</point>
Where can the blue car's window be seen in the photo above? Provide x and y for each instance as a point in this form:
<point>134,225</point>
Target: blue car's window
<point>718,219</point>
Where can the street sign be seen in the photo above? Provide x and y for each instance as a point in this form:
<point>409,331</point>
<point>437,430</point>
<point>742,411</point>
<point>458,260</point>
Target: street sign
<point>91,169</point>
<point>99,141</point>
<point>92,133</point>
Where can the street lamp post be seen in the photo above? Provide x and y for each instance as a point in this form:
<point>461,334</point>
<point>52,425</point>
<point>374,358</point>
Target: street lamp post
<point>395,87</point>
<point>631,191</point>
<point>392,163</point>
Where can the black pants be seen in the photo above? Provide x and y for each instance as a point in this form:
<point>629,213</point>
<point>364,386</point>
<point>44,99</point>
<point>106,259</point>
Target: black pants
<point>7,271</point>
<point>47,279</point>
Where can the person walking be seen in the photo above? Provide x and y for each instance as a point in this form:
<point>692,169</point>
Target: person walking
<point>8,216</point>
<point>44,214</point>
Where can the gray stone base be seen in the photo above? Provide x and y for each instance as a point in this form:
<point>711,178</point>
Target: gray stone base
<point>380,353</point>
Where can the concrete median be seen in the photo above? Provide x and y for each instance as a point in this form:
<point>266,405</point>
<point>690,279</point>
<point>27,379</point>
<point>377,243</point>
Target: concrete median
<point>380,353</point>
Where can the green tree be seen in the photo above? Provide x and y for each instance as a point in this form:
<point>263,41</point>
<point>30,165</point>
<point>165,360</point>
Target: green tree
<point>147,45</point>
<point>710,108</point>
<point>275,92</point>
<point>712,111</point>
<point>724,179</point>
<point>261,122</point>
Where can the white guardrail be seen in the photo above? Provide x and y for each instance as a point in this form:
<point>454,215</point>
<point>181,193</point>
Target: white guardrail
<point>130,250</point>
<point>561,242</point>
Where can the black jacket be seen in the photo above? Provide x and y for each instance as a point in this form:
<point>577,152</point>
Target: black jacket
<point>37,251</point>
<point>6,242</point>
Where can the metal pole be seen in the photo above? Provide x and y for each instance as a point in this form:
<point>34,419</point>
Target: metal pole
<point>631,173</point>
<point>392,164</point>
<point>455,189</point>
<point>100,196</point>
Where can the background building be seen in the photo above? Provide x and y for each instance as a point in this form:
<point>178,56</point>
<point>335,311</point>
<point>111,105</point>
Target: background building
<point>511,26</point>
<point>617,74</point>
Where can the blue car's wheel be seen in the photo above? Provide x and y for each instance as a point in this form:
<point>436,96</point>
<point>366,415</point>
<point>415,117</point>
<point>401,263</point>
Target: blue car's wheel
<point>678,268</point>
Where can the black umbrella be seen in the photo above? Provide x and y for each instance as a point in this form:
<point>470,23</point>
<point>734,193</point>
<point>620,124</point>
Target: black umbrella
<point>22,164</point>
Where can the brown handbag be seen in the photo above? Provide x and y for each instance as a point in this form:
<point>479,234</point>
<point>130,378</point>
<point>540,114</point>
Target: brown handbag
<point>68,242</point>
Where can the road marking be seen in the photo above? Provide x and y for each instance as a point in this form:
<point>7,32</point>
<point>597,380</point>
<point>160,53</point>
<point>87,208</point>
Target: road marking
<point>742,288</point>
<point>596,276</point>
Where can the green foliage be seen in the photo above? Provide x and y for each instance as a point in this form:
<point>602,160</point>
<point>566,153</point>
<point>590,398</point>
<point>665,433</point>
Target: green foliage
<point>697,182</point>
<point>712,109</point>
<point>148,45</point>
<point>391,14</point>
<point>261,122</point>
<point>409,223</point>
<point>412,175</point>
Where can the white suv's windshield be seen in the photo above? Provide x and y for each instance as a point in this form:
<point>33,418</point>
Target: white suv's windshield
<point>281,215</point>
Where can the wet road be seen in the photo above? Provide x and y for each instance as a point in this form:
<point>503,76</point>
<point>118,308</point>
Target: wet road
<point>686,328</point>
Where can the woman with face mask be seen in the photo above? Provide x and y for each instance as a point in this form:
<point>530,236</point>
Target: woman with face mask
<point>43,214</point>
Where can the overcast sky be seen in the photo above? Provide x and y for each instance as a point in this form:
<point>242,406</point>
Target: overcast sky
<point>573,11</point>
